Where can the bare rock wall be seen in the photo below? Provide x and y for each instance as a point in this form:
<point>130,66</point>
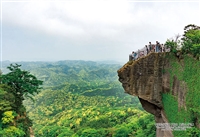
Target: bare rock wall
<point>146,79</point>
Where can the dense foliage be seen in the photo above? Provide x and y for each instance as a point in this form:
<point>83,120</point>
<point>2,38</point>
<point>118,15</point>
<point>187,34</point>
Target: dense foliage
<point>14,86</point>
<point>187,71</point>
<point>85,99</point>
<point>63,111</point>
<point>187,49</point>
<point>22,83</point>
<point>189,42</point>
<point>80,99</point>
<point>7,114</point>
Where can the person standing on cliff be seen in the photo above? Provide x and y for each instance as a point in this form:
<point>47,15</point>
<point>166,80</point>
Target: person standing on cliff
<point>157,46</point>
<point>147,49</point>
<point>150,47</point>
<point>133,55</point>
<point>162,48</point>
<point>141,53</point>
<point>153,47</point>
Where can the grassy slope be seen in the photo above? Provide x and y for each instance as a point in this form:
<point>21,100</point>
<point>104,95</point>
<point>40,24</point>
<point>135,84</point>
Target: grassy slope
<point>187,70</point>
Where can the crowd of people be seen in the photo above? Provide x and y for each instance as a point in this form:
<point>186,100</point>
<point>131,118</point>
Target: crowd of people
<point>148,49</point>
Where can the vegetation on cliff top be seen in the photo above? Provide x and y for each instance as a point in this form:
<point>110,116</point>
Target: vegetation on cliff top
<point>186,69</point>
<point>189,42</point>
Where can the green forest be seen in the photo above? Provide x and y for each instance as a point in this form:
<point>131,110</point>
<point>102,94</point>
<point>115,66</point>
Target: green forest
<point>77,99</point>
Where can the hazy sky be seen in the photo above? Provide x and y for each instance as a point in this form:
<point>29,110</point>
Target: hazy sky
<point>89,29</point>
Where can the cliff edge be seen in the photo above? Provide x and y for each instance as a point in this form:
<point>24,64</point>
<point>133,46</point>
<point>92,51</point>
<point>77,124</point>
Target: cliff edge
<point>149,78</point>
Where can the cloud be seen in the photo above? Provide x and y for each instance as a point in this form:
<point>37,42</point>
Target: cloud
<point>66,18</point>
<point>96,30</point>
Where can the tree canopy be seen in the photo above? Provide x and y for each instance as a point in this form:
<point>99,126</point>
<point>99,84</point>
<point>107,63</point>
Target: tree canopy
<point>22,83</point>
<point>14,86</point>
<point>189,43</point>
<point>191,40</point>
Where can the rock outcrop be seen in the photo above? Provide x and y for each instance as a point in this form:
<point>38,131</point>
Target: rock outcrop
<point>146,79</point>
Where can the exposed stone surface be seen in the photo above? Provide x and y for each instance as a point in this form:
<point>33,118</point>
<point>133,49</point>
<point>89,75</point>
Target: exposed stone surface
<point>145,78</point>
<point>179,90</point>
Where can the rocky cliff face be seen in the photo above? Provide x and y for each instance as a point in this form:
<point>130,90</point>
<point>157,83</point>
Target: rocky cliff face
<point>146,79</point>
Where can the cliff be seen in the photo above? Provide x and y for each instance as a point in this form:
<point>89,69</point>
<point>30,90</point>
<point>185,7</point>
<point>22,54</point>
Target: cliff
<point>155,79</point>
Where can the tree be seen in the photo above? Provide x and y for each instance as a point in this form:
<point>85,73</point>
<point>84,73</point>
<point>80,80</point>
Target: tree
<point>191,40</point>
<point>22,82</point>
<point>14,87</point>
<point>174,44</point>
<point>190,27</point>
<point>122,132</point>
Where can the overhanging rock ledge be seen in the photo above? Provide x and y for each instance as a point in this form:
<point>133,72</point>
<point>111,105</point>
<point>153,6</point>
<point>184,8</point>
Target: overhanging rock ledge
<point>145,78</point>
